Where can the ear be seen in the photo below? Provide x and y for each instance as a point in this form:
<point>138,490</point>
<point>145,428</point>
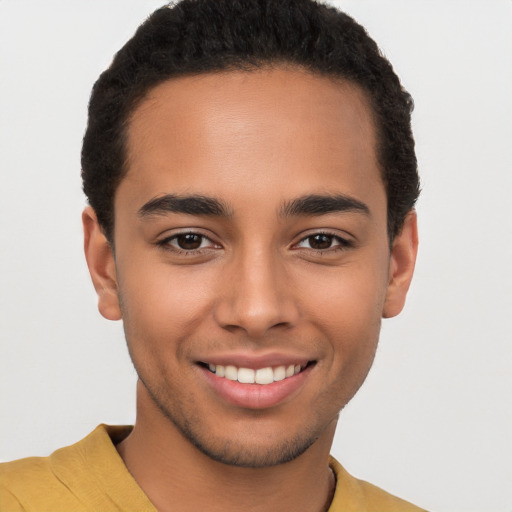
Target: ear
<point>401,266</point>
<point>101,263</point>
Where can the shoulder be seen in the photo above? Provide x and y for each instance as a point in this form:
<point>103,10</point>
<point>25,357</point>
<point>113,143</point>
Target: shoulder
<point>354,495</point>
<point>26,482</point>
<point>67,480</point>
<point>23,469</point>
<point>12,478</point>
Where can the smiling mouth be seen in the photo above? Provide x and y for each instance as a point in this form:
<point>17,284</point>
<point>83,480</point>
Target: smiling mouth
<point>262,376</point>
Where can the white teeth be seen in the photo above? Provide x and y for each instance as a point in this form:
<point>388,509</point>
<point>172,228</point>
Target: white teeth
<point>264,376</point>
<point>231,373</point>
<point>246,375</point>
<point>261,376</point>
<point>279,373</point>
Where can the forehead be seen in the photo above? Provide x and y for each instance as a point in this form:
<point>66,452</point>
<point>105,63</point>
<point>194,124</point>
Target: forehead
<point>241,132</point>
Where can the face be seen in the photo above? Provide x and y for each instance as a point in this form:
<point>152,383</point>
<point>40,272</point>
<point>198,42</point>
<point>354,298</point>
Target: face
<point>252,264</point>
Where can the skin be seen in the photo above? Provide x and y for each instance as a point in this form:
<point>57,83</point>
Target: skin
<point>260,282</point>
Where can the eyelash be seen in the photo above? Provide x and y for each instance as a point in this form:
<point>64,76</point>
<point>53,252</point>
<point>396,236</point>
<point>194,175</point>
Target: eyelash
<point>165,243</point>
<point>342,243</point>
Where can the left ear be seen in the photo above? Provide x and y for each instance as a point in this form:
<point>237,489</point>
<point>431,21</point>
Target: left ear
<point>401,266</point>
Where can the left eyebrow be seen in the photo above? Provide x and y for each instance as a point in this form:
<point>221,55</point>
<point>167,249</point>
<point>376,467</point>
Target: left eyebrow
<point>316,204</point>
<point>188,204</point>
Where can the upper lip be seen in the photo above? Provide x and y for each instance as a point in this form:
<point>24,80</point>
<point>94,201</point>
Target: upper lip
<point>255,361</point>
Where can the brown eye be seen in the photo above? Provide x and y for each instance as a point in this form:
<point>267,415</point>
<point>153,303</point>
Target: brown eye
<point>324,242</point>
<point>320,241</point>
<point>189,241</point>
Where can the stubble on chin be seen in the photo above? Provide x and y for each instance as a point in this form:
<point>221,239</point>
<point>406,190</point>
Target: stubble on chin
<point>231,451</point>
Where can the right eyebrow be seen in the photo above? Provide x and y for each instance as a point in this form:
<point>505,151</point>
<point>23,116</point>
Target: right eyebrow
<point>188,204</point>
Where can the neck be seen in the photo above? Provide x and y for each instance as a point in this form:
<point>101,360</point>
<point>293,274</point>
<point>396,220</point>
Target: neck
<point>175,475</point>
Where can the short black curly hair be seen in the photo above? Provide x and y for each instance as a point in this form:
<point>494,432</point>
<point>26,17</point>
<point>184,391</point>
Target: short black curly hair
<point>201,36</point>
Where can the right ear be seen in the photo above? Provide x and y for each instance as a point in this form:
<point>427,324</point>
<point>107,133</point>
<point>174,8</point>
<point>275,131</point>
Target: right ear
<point>101,263</point>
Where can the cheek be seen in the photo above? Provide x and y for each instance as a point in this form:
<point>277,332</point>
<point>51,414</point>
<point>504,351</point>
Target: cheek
<point>161,308</point>
<point>346,307</point>
<point>346,298</point>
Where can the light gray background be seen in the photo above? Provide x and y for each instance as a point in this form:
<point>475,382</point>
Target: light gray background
<point>433,422</point>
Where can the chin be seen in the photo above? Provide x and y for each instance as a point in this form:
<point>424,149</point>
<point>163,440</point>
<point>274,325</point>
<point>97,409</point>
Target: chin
<point>253,444</point>
<point>249,453</point>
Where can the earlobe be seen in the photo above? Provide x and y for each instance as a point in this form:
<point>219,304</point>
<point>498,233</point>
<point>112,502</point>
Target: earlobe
<point>401,266</point>
<point>101,263</point>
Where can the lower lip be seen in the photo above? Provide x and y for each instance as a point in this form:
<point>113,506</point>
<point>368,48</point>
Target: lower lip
<point>256,396</point>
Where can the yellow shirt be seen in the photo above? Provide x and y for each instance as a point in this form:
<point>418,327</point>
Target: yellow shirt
<point>90,476</point>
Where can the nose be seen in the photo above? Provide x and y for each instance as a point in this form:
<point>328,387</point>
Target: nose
<point>256,296</point>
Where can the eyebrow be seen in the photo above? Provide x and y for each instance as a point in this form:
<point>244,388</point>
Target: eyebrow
<point>190,204</point>
<point>309,205</point>
<point>316,204</point>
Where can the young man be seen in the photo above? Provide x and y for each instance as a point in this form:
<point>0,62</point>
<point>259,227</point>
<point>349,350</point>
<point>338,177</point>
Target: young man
<point>251,177</point>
